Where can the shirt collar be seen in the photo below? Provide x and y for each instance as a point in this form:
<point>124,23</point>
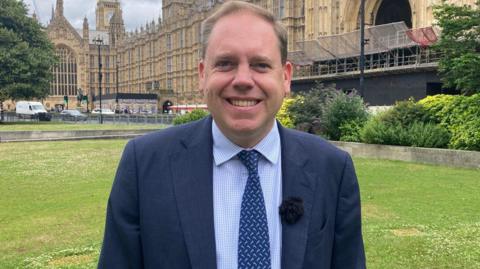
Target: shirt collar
<point>224,149</point>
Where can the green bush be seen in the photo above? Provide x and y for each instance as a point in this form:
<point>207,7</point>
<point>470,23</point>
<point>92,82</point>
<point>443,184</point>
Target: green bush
<point>283,116</point>
<point>307,107</point>
<point>343,110</point>
<point>350,131</point>
<point>439,106</point>
<point>418,134</point>
<point>407,112</point>
<point>196,114</point>
<point>460,115</point>
<point>376,131</point>
<point>428,135</point>
<point>466,136</point>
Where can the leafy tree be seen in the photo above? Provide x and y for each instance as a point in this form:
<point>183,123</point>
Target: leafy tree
<point>460,45</point>
<point>26,54</point>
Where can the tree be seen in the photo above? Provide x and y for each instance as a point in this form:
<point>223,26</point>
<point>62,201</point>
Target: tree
<point>26,54</point>
<point>460,46</point>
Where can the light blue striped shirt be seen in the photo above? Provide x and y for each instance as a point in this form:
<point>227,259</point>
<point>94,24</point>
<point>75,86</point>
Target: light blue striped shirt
<point>229,180</point>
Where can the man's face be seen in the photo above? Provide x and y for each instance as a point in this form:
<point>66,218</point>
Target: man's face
<point>242,77</point>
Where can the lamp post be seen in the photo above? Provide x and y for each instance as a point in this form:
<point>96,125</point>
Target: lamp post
<point>117,108</point>
<point>362,47</point>
<point>79,98</point>
<point>99,42</point>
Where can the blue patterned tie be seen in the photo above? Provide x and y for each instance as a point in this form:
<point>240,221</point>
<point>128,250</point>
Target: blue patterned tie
<point>253,241</point>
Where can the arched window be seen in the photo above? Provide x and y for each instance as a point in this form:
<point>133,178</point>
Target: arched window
<point>394,11</point>
<point>64,73</point>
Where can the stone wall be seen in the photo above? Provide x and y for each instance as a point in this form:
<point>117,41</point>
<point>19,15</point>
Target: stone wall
<point>446,157</point>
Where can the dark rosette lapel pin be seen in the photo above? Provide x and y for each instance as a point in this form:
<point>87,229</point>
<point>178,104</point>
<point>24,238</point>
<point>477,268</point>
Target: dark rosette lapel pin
<point>291,210</point>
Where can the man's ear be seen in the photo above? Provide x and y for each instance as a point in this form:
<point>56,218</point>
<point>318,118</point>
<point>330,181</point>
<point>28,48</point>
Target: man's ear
<point>287,77</point>
<point>201,75</point>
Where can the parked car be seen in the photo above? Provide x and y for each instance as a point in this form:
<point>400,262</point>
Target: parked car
<point>70,114</point>
<point>32,110</point>
<point>105,111</point>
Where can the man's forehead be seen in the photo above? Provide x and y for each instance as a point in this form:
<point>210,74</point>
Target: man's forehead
<point>241,14</point>
<point>242,24</point>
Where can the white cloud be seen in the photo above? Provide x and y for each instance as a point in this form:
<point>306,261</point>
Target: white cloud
<point>135,12</point>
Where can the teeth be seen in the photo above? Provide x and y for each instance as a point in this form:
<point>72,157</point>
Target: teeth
<point>243,103</point>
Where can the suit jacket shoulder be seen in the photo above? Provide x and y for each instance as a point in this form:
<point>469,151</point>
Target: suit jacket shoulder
<point>171,139</point>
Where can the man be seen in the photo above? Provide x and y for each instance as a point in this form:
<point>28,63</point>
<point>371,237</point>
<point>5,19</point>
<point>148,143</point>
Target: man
<point>207,194</point>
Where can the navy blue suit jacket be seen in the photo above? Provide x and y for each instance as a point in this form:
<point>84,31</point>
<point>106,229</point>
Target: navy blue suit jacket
<point>160,210</point>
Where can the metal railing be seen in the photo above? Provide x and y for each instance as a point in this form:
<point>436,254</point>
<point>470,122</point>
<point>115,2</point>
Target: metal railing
<point>400,58</point>
<point>95,118</point>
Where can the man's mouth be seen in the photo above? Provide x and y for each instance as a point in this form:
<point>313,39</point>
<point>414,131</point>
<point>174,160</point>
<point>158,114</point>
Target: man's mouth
<point>242,103</point>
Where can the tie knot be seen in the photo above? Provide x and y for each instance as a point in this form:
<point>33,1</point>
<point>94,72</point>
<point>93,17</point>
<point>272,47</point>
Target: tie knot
<point>249,158</point>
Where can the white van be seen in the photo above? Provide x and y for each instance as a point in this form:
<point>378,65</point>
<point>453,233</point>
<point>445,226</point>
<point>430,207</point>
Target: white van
<point>31,110</point>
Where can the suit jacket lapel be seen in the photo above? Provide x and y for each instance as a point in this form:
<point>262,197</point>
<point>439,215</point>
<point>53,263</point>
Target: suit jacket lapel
<point>193,183</point>
<point>297,182</point>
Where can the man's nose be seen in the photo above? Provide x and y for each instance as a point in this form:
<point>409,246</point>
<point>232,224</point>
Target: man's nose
<point>243,77</point>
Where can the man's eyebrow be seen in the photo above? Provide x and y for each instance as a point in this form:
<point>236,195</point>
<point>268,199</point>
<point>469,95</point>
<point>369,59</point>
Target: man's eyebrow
<point>260,58</point>
<point>224,56</point>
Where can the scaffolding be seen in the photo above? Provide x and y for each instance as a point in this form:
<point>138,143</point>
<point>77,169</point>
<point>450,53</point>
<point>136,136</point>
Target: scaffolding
<point>388,46</point>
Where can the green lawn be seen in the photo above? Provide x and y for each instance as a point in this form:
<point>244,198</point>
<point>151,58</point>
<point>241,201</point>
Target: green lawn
<point>53,197</point>
<point>61,126</point>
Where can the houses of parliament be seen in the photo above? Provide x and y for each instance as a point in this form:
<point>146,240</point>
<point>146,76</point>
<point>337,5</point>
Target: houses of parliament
<point>157,63</point>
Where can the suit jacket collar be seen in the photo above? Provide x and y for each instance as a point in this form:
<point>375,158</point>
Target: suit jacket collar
<point>193,186</point>
<point>297,182</point>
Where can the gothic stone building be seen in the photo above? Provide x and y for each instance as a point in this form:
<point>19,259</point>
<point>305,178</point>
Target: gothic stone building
<point>161,57</point>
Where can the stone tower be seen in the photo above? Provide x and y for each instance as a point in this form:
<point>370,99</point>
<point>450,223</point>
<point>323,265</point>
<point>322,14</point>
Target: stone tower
<point>104,13</point>
<point>116,28</point>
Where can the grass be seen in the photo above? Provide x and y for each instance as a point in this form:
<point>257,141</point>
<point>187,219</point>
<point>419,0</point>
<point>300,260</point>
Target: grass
<point>419,216</point>
<point>62,126</point>
<point>53,198</point>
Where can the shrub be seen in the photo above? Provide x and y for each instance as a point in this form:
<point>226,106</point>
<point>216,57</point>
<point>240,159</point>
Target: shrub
<point>196,114</point>
<point>376,131</point>
<point>428,135</point>
<point>466,136</point>
<point>407,112</point>
<point>418,134</point>
<point>351,131</point>
<point>439,106</point>
<point>307,107</point>
<point>283,116</point>
<point>460,115</point>
<point>347,110</point>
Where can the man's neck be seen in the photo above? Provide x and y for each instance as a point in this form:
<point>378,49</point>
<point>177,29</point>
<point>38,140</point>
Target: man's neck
<point>246,140</point>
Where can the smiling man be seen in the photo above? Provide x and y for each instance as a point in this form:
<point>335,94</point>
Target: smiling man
<point>244,77</point>
<point>235,190</point>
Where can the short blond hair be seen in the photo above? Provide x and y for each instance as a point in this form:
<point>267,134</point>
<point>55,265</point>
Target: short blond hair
<point>237,6</point>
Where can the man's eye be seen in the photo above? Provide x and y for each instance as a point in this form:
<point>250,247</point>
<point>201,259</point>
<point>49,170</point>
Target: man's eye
<point>224,65</point>
<point>261,66</point>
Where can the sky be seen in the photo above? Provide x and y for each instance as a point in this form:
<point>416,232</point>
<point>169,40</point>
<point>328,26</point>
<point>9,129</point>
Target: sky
<point>135,12</point>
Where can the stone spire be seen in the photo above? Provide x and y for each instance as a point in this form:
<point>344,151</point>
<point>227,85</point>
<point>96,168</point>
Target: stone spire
<point>59,8</point>
<point>86,31</point>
